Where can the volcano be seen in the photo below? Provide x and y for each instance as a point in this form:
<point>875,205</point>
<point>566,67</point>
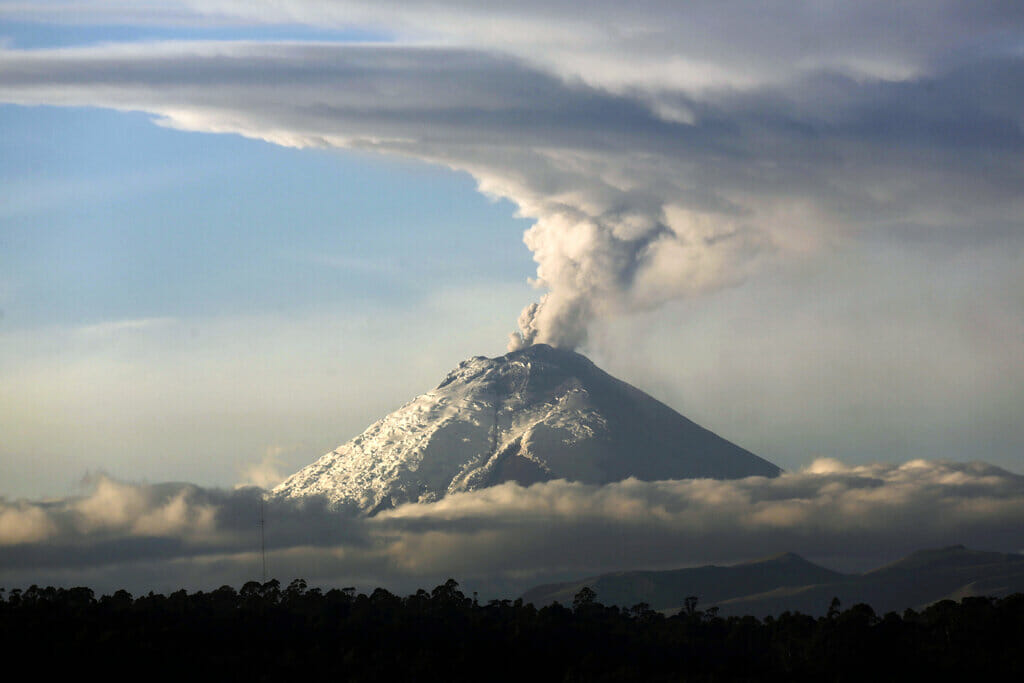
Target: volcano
<point>532,415</point>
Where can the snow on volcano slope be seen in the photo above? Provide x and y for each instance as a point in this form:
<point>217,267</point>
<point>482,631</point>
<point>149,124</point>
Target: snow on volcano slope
<point>532,415</point>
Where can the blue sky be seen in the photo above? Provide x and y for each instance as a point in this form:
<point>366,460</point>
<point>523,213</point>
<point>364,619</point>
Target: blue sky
<point>108,217</point>
<point>111,220</point>
<point>32,34</point>
<point>234,234</point>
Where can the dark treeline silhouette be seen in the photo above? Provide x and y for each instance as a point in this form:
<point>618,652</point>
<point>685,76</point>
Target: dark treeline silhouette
<point>266,632</point>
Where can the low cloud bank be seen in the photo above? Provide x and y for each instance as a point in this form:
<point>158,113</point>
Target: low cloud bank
<point>504,538</point>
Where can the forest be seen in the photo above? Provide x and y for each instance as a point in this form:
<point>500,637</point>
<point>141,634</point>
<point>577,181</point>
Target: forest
<point>264,631</point>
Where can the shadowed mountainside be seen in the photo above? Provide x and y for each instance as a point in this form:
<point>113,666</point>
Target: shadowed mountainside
<point>920,579</point>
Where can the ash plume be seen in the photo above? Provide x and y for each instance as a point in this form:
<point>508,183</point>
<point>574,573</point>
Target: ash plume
<point>660,162</point>
<point>598,260</point>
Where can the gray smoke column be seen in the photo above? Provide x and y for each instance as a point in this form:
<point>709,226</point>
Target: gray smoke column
<point>625,215</point>
<point>552,320</point>
<point>614,260</point>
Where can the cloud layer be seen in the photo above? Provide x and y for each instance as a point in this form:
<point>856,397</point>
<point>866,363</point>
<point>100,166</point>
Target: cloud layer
<point>508,537</point>
<point>656,44</point>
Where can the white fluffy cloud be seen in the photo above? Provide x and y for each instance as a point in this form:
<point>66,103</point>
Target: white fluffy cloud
<point>512,536</point>
<point>829,509</point>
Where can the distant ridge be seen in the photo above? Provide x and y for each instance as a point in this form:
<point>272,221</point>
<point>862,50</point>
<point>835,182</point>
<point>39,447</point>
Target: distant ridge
<point>711,583</point>
<point>787,582</point>
<point>532,415</point>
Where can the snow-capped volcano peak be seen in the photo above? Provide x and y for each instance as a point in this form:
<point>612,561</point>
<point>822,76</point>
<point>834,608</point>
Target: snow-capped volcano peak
<point>531,415</point>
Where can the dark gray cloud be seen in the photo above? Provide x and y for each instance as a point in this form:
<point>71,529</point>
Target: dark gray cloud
<point>659,44</point>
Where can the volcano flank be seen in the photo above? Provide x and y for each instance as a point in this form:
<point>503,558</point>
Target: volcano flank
<point>532,415</point>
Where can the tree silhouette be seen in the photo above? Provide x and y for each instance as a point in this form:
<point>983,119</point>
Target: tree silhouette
<point>586,597</point>
<point>263,633</point>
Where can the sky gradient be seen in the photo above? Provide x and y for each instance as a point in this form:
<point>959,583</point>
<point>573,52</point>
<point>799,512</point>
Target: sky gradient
<point>233,234</point>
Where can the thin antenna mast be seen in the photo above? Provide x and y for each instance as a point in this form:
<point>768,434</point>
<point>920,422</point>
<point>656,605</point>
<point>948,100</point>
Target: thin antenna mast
<point>263,540</point>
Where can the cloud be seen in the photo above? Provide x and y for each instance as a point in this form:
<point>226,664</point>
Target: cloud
<point>115,328</point>
<point>655,44</point>
<point>113,509</point>
<point>511,536</point>
<point>21,522</point>
<point>827,510</point>
<point>118,522</point>
<point>267,472</point>
<point>633,208</point>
